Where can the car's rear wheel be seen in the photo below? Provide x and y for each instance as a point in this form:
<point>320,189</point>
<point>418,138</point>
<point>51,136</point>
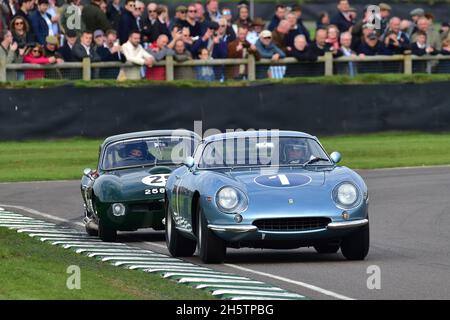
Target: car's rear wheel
<point>178,245</point>
<point>355,246</point>
<point>211,248</point>
<point>327,248</point>
<point>106,233</point>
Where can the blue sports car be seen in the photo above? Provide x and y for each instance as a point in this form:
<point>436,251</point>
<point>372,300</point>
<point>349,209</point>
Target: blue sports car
<point>265,189</point>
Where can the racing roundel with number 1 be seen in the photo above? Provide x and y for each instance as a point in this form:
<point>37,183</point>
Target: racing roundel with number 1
<point>157,180</point>
<point>283,180</point>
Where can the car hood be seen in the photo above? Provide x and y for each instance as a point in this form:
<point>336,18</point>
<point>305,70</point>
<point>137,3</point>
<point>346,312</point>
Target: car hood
<point>132,184</point>
<point>286,192</point>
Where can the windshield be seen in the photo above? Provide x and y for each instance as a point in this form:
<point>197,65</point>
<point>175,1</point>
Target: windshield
<point>267,151</point>
<point>147,151</point>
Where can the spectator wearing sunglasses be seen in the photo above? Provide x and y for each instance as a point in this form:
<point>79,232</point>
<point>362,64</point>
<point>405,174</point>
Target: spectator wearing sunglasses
<point>191,19</point>
<point>35,55</point>
<point>180,18</point>
<point>153,26</point>
<point>21,31</point>
<point>268,50</point>
<point>127,22</point>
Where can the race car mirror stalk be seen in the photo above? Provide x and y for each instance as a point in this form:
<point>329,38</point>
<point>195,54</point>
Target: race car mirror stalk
<point>88,173</point>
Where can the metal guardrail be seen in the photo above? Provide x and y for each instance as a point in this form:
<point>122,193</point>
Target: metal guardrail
<point>86,66</point>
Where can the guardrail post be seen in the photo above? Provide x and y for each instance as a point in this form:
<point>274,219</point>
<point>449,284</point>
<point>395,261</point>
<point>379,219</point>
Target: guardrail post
<point>407,64</point>
<point>86,69</point>
<point>328,63</point>
<point>169,68</point>
<point>251,67</point>
<point>2,70</point>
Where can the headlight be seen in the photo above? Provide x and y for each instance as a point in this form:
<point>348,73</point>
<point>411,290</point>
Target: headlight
<point>118,209</point>
<point>231,200</point>
<point>346,195</point>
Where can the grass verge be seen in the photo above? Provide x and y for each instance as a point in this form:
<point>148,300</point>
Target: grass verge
<point>66,159</point>
<point>336,80</point>
<point>30,269</point>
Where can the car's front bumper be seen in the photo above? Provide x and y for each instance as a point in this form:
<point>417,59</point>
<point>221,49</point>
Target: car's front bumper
<point>243,233</point>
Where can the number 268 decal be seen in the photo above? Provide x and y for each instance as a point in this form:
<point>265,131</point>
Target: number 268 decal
<point>154,191</point>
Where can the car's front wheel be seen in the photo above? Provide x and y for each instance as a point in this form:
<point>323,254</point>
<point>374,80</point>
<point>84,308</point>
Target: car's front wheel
<point>211,248</point>
<point>355,246</point>
<point>106,233</point>
<point>178,245</point>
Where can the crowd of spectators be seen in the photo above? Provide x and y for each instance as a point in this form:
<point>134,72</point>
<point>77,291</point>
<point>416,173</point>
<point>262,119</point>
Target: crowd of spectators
<point>53,31</point>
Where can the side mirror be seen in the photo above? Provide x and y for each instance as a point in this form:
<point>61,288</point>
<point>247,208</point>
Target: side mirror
<point>189,162</point>
<point>88,173</point>
<point>336,157</point>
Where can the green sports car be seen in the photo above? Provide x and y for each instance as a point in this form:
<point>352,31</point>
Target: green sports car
<point>126,191</point>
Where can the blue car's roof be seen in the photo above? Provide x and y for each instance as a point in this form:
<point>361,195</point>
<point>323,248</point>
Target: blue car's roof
<point>150,133</point>
<point>257,133</point>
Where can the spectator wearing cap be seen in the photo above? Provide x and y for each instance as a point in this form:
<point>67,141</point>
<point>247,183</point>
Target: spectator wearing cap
<point>268,50</point>
<point>51,49</point>
<point>66,50</point>
<point>240,48</point>
<point>25,10</point>
<point>179,21</point>
<point>93,17</point>
<point>280,13</point>
<point>298,12</point>
<point>212,12</point>
<point>372,46</point>
<point>21,31</point>
<point>153,26</point>
<point>66,21</point>
<point>255,29</point>
<point>84,48</point>
<point>395,40</point>
<point>127,21</point>
<point>433,38</point>
<point>243,19</point>
<point>280,35</point>
<point>195,28</point>
<point>385,15</point>
<point>41,22</point>
<point>135,53</point>
<point>415,15</point>
<point>113,13</point>
<point>343,19</point>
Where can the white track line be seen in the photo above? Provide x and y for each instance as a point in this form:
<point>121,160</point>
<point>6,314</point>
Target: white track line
<point>269,275</point>
<point>298,283</point>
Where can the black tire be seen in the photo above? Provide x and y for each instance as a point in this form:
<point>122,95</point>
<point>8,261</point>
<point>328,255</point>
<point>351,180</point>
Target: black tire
<point>355,246</point>
<point>211,249</point>
<point>178,245</point>
<point>91,231</point>
<point>106,233</point>
<point>327,248</point>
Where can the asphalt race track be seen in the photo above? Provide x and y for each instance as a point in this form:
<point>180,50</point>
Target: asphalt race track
<point>410,239</point>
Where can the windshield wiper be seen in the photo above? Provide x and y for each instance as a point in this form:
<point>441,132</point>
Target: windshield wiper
<point>314,160</point>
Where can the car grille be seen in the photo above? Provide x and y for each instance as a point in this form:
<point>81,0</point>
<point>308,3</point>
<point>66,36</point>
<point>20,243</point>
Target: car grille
<point>292,224</point>
<point>145,207</point>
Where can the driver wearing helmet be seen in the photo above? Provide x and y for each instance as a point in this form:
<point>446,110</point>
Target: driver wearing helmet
<point>137,153</point>
<point>295,152</point>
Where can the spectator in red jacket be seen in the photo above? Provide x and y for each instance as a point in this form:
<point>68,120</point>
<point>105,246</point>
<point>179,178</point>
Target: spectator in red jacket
<point>35,55</point>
